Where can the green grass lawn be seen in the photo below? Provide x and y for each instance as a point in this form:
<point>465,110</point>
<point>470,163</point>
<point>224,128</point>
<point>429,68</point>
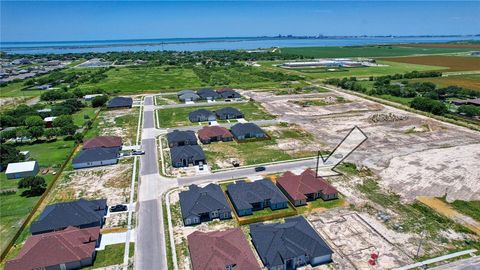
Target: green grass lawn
<point>264,150</point>
<point>111,255</point>
<point>79,117</point>
<point>128,122</point>
<point>469,208</point>
<point>178,117</point>
<point>147,79</point>
<point>48,154</point>
<point>267,214</point>
<point>319,204</point>
<point>15,90</point>
<point>402,100</point>
<point>367,51</point>
<point>167,99</point>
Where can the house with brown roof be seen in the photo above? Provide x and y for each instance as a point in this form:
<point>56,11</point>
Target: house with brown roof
<point>72,248</point>
<point>305,187</point>
<point>221,250</point>
<point>103,142</point>
<point>210,134</point>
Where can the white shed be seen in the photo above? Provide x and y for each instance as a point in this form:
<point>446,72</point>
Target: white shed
<point>22,169</point>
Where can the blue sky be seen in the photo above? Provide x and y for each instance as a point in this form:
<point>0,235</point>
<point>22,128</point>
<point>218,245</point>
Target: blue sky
<point>103,20</point>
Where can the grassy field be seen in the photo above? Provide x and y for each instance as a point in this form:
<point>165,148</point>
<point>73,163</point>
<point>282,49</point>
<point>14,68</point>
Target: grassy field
<point>13,207</point>
<point>178,117</point>
<point>451,63</point>
<point>265,150</point>
<point>368,51</point>
<point>471,208</point>
<point>79,117</point>
<point>466,81</point>
<point>147,79</point>
<point>360,72</point>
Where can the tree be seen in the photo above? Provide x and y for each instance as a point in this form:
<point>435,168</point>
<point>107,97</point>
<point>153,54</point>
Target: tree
<point>62,120</point>
<point>50,133</point>
<point>469,110</point>
<point>99,101</point>
<point>34,121</point>
<point>36,186</point>
<point>78,137</point>
<point>23,133</point>
<point>8,134</point>
<point>9,154</point>
<point>36,131</point>
<point>428,105</point>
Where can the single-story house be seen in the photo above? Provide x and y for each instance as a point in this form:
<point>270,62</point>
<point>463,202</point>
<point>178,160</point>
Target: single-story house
<point>228,113</point>
<point>247,197</point>
<point>90,97</point>
<point>120,102</point>
<point>48,121</point>
<point>186,91</point>
<point>203,204</point>
<point>180,138</point>
<point>242,131</point>
<point>305,187</point>
<point>201,115</point>
<point>289,245</point>
<point>94,157</point>
<point>81,214</point>
<point>26,155</point>
<point>22,169</point>
<point>210,134</point>
<point>103,142</point>
<point>183,156</point>
<point>229,93</point>
<point>473,101</point>
<point>207,94</point>
<point>188,97</point>
<point>222,250</point>
<point>72,248</point>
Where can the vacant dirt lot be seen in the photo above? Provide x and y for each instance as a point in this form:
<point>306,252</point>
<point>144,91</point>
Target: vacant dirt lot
<point>109,182</point>
<point>453,63</point>
<point>415,155</point>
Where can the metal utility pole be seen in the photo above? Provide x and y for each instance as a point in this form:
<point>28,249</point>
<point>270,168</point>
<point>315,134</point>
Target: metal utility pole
<point>318,163</point>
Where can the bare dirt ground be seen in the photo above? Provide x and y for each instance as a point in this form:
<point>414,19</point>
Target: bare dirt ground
<point>415,155</point>
<point>109,182</point>
<point>122,123</point>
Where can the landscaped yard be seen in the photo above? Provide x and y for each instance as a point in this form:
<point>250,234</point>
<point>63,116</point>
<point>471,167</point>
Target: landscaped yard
<point>178,117</point>
<point>320,204</point>
<point>267,214</point>
<point>79,117</point>
<point>112,255</point>
<point>285,143</point>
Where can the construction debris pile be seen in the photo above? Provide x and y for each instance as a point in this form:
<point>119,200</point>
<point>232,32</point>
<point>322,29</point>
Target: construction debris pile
<point>386,117</point>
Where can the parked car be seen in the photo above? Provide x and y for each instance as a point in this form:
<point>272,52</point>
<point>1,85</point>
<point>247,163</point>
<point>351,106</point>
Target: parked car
<point>200,166</point>
<point>139,152</point>
<point>118,208</point>
<point>260,169</point>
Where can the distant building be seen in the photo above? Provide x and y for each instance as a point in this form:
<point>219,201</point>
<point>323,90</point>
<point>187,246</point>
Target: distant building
<point>180,138</point>
<point>222,250</point>
<point>26,154</point>
<point>289,245</point>
<point>247,197</point>
<point>183,156</point>
<point>207,94</point>
<point>305,187</point>
<point>49,121</point>
<point>210,134</point>
<point>22,169</point>
<point>473,101</point>
<point>45,111</point>
<point>120,102</point>
<point>90,97</point>
<point>201,115</point>
<point>243,131</point>
<point>186,91</point>
<point>95,157</point>
<point>187,97</point>
<point>229,93</point>
<point>203,204</point>
<point>81,214</point>
<point>72,248</point>
<point>228,113</point>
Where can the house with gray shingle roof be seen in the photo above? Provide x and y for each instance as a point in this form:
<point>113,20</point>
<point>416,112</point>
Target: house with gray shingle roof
<point>243,131</point>
<point>120,102</point>
<point>228,113</point>
<point>201,115</point>
<point>247,197</point>
<point>183,156</point>
<point>186,91</point>
<point>180,138</point>
<point>94,157</point>
<point>188,97</point>
<point>208,94</point>
<point>203,204</point>
<point>80,214</point>
<point>289,245</point>
<point>229,93</point>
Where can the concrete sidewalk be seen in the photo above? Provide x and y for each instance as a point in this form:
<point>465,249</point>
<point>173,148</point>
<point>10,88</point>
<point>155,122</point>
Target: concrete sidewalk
<point>115,238</point>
